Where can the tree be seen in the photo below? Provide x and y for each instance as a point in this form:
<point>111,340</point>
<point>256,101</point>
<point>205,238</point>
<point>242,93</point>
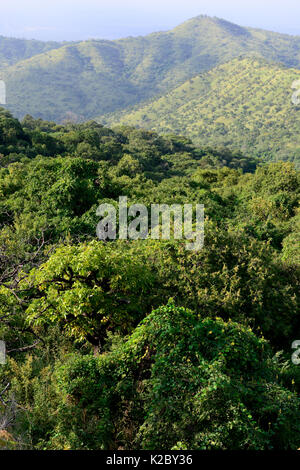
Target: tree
<point>180,381</point>
<point>91,289</point>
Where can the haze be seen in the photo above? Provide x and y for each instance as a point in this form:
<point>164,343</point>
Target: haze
<point>83,19</point>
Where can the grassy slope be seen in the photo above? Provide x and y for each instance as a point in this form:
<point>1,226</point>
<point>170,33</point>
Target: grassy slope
<point>245,104</point>
<point>13,50</point>
<point>97,77</point>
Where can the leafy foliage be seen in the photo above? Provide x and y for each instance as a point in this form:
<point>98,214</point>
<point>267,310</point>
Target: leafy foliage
<point>96,360</point>
<point>179,382</point>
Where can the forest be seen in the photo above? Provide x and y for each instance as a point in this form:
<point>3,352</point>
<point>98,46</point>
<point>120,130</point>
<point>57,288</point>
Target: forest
<point>142,344</point>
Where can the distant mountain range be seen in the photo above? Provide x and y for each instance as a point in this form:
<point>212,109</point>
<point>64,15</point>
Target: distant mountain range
<point>81,80</point>
<point>244,104</point>
<point>13,50</point>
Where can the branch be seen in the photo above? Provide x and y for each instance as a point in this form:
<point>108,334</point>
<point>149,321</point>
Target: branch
<point>25,348</point>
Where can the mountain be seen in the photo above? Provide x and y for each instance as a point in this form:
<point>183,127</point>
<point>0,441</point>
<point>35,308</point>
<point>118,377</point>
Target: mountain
<point>92,78</point>
<point>245,104</point>
<point>13,50</point>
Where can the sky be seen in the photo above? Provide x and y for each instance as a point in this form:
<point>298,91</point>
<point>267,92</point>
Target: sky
<point>111,19</point>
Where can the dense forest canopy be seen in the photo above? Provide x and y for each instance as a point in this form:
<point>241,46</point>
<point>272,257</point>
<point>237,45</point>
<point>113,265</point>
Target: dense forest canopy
<point>144,344</point>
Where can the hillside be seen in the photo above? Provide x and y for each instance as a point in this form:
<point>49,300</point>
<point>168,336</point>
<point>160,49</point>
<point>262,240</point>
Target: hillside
<point>96,77</point>
<point>13,50</point>
<point>244,104</point>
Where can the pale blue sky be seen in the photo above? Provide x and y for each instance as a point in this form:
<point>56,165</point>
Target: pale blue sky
<point>83,19</point>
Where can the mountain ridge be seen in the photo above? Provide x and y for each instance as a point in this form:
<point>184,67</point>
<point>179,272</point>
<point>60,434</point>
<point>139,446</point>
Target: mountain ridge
<point>12,50</point>
<point>96,77</point>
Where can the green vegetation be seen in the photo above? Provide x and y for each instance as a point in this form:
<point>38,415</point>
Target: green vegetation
<point>87,79</point>
<point>245,104</point>
<point>13,50</point>
<point>144,344</point>
<point>186,382</point>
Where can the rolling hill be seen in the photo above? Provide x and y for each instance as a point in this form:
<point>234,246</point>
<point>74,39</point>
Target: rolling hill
<point>13,50</point>
<point>245,104</point>
<point>96,77</point>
